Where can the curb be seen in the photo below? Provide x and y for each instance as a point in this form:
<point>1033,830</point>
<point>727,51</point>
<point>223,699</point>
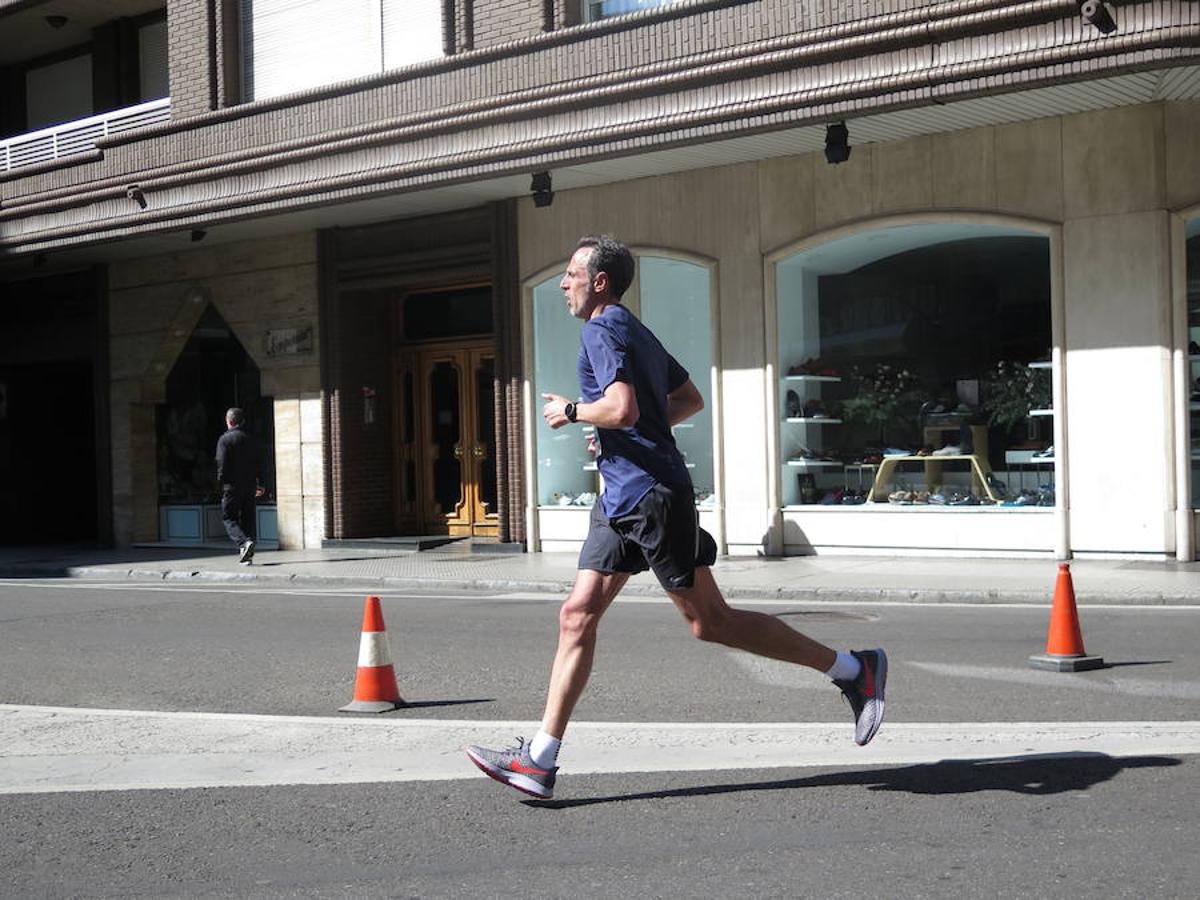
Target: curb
<point>559,588</point>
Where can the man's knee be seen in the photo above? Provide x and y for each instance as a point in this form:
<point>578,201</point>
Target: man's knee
<point>707,623</point>
<point>580,613</point>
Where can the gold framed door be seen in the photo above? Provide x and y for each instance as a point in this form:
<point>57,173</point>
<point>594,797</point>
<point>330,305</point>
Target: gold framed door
<point>449,467</point>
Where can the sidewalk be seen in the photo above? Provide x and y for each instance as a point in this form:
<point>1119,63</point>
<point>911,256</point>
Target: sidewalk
<point>456,567</point>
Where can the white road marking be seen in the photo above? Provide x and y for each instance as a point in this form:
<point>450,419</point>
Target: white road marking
<point>1093,681</point>
<point>52,749</point>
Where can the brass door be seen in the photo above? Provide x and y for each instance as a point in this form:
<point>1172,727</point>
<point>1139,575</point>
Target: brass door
<point>447,470</point>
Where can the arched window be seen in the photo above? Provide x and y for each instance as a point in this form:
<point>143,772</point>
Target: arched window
<point>1193,321</point>
<point>914,369</point>
<point>673,297</point>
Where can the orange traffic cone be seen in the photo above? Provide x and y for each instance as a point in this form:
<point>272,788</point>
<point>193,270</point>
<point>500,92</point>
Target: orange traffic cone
<point>1064,640</point>
<point>375,688</point>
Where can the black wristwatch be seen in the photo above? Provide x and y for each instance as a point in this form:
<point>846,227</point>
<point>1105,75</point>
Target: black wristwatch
<point>569,411</point>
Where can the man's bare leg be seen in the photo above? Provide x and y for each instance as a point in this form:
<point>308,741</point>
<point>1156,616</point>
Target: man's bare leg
<point>712,619</point>
<point>578,620</point>
<point>860,675</point>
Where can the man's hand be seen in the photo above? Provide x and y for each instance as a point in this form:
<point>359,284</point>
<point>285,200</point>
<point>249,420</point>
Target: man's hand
<point>554,412</point>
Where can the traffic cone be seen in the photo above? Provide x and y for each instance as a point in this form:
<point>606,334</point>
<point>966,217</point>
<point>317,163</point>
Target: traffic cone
<point>1064,640</point>
<point>375,688</point>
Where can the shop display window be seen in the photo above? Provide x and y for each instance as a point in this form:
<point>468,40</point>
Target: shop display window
<point>1193,320</point>
<point>914,370</point>
<point>673,298</point>
<point>566,473</point>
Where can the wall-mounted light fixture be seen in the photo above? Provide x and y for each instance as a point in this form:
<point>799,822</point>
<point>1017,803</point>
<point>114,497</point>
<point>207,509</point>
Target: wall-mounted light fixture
<point>57,21</point>
<point>541,188</point>
<point>837,143</point>
<point>1100,14</point>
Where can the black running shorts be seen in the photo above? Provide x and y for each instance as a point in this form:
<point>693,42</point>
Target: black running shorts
<point>662,533</point>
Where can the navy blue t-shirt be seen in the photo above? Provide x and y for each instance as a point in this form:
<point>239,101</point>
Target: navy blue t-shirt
<point>615,346</point>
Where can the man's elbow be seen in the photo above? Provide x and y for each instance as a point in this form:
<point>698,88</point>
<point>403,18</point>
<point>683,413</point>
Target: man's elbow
<point>628,415</point>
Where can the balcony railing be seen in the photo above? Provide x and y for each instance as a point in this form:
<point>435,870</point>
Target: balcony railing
<point>79,136</point>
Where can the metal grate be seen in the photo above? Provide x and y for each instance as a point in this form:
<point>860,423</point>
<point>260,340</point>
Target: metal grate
<point>79,136</point>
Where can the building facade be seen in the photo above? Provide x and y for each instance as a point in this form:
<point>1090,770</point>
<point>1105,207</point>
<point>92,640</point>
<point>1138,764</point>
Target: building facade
<point>935,266</point>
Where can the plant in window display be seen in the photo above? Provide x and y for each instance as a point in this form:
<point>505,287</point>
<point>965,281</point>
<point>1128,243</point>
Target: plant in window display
<point>882,396</point>
<point>1012,390</point>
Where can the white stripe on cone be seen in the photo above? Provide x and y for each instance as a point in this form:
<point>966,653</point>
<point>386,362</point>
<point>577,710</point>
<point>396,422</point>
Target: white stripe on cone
<point>373,650</point>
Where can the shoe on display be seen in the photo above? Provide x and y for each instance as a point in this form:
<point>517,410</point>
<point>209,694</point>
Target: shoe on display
<point>866,693</point>
<point>966,500</point>
<point>1048,453</point>
<point>793,405</point>
<point>815,409</point>
<point>949,450</point>
<point>515,767</point>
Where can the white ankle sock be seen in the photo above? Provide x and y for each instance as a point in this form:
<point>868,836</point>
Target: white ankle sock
<point>845,668</point>
<point>544,749</point>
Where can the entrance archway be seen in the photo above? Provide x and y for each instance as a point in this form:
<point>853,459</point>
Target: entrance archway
<point>212,373</point>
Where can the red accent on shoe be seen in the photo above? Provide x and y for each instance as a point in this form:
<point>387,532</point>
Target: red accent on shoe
<point>868,680</point>
<point>528,770</point>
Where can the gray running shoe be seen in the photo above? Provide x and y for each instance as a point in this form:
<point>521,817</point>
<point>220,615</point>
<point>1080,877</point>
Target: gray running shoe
<point>516,768</point>
<point>865,693</point>
<point>246,552</point>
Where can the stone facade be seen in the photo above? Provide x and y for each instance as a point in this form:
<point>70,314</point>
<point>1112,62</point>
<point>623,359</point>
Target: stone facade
<point>1096,183</point>
<point>154,303</point>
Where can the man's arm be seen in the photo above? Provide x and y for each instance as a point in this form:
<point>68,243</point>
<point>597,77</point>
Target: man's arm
<point>618,408</point>
<point>684,402</point>
<point>222,445</point>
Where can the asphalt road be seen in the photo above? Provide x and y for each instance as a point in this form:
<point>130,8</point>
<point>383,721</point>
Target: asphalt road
<point>951,823</point>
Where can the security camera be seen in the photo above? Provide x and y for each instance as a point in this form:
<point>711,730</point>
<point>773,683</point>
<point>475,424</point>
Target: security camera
<point>1100,14</point>
<point>133,192</point>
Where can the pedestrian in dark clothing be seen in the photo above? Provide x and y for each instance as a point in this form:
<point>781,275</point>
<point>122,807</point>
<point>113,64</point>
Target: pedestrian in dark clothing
<point>239,473</point>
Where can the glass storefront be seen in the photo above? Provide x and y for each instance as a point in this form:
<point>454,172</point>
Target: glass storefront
<point>673,298</point>
<point>914,369</point>
<point>1193,321</point>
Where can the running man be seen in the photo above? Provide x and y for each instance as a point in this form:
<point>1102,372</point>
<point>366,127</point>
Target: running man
<point>633,391</point>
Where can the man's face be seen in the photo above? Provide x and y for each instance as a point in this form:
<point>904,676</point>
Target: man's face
<point>577,286</point>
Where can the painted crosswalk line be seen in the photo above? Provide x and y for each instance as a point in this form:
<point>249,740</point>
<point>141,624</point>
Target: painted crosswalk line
<point>55,749</point>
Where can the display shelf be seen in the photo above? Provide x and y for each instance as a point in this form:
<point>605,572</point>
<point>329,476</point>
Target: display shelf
<point>1041,412</point>
<point>814,463</point>
<point>829,378</point>
<point>1026,458</point>
<point>824,420</point>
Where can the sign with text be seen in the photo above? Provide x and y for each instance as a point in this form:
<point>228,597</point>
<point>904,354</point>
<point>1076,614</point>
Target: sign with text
<point>290,341</point>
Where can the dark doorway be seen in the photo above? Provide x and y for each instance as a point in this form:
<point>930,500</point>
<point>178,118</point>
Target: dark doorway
<point>213,373</point>
<point>47,453</point>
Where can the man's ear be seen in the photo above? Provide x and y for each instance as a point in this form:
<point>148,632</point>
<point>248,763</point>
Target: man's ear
<point>600,282</point>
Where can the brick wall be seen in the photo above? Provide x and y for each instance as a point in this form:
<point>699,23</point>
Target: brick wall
<point>190,56</point>
<point>500,21</point>
<point>362,452</point>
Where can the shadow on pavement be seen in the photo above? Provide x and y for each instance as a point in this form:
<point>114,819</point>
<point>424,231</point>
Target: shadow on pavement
<point>58,561</point>
<point>422,704</point>
<point>1036,774</point>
